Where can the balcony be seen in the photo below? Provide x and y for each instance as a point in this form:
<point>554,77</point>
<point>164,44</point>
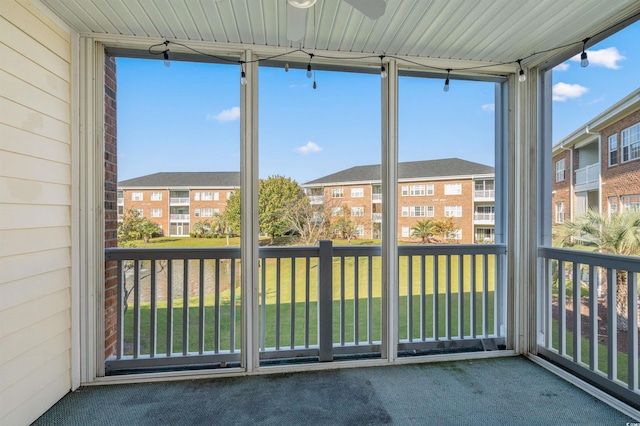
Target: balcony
<point>179,217</point>
<point>377,217</point>
<point>316,199</point>
<point>376,198</point>
<point>589,174</point>
<point>484,218</point>
<point>484,195</point>
<point>178,201</point>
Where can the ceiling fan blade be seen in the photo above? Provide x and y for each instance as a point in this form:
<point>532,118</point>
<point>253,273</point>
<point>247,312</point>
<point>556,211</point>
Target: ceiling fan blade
<point>296,23</point>
<point>372,9</point>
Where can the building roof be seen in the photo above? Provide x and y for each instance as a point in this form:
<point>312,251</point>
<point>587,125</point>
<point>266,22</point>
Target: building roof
<point>185,179</point>
<point>428,169</point>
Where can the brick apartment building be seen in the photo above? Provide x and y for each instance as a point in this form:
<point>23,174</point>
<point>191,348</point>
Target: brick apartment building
<point>597,166</point>
<point>427,189</point>
<point>431,189</point>
<point>175,201</point>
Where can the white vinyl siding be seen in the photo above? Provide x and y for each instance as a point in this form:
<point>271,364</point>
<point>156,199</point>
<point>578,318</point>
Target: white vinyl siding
<point>35,254</point>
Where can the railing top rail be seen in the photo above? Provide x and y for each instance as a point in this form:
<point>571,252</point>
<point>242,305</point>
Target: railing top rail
<point>172,253</point>
<point>615,261</point>
<point>369,250</point>
<point>445,249</point>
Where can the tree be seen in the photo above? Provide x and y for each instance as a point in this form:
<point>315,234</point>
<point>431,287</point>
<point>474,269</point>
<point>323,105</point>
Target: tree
<point>231,214</point>
<point>310,222</point>
<point>201,228</point>
<point>423,229</point>
<point>135,227</point>
<point>445,228</point>
<point>615,233</point>
<point>275,195</point>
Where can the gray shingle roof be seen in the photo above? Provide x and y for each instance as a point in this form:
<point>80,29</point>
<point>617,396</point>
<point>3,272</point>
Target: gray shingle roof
<point>173,179</point>
<point>448,167</point>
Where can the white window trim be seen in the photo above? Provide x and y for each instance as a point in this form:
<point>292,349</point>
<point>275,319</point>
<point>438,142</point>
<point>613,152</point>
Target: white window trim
<point>561,174</point>
<point>613,137</point>
<point>452,189</point>
<point>357,192</point>
<point>429,189</point>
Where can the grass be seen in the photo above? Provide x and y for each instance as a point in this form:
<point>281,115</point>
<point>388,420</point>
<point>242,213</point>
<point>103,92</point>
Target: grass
<point>225,320</point>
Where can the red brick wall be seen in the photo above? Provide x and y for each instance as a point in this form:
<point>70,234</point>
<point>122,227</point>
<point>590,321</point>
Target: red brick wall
<point>110,204</point>
<point>623,178</point>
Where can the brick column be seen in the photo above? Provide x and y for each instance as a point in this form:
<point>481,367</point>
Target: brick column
<point>110,204</point>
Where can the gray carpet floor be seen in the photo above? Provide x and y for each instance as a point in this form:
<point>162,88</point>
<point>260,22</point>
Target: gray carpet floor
<point>482,392</point>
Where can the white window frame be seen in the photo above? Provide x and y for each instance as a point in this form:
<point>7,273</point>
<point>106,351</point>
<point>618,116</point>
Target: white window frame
<point>560,212</point>
<point>337,211</point>
<point>561,170</point>
<point>417,211</point>
<point>137,196</point>
<point>430,211</point>
<point>630,138</point>
<point>196,196</point>
<point>613,201</point>
<point>405,211</point>
<point>206,196</point>
<point>453,211</point>
<point>196,212</point>
<point>452,189</point>
<point>630,202</point>
<point>337,192</point>
<point>416,190</point>
<point>216,196</point>
<point>360,230</point>
<point>357,192</point>
<point>455,234</point>
<point>206,212</point>
<point>156,212</point>
<point>141,211</point>
<point>405,232</point>
<point>429,189</point>
<point>156,196</point>
<point>357,211</point>
<point>612,147</point>
<point>404,190</point>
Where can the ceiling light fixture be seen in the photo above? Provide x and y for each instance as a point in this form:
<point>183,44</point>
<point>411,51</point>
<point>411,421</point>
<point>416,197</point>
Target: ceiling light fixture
<point>446,82</point>
<point>302,4</point>
<point>521,75</point>
<point>383,71</point>
<point>165,54</point>
<point>584,61</point>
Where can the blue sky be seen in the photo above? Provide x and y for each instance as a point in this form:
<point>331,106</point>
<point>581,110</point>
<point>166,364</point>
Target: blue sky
<point>186,117</point>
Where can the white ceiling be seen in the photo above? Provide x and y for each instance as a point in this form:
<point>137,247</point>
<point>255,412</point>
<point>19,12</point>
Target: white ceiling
<point>447,31</point>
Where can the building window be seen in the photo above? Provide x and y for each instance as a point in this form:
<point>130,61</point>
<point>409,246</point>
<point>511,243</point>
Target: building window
<point>613,150</point>
<point>430,189</point>
<point>405,190</point>
<point>560,171</point>
<point>196,212</point>
<point>156,212</point>
<point>216,211</point>
<point>206,196</point>
<point>613,204</point>
<point>136,196</point>
<point>357,192</point>
<point>207,212</point>
<point>416,211</point>
<point>196,196</point>
<point>416,190</point>
<point>430,211</point>
<point>216,196</point>
<point>631,143</point>
<point>453,211</point>
<point>357,211</point>
<point>454,235</point>
<point>405,232</point>
<point>336,211</point>
<point>360,230</point>
<point>452,188</point>
<point>485,235</point>
<point>405,211</point>
<point>337,192</point>
<point>560,212</point>
<point>156,196</point>
<point>630,203</point>
<point>140,212</point>
<point>228,194</point>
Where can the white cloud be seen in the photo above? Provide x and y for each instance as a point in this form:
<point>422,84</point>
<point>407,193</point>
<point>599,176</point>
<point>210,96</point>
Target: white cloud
<point>561,67</point>
<point>564,91</point>
<point>489,107</point>
<point>607,58</point>
<point>230,114</point>
<point>308,148</point>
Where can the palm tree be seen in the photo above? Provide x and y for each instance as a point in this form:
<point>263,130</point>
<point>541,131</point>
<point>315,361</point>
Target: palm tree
<point>616,233</point>
<point>423,229</point>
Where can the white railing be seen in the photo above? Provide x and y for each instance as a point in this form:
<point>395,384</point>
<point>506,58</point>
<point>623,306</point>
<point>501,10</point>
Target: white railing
<point>316,199</point>
<point>180,216</point>
<point>487,194</point>
<point>377,217</point>
<point>589,321</point>
<point>484,217</point>
<point>588,174</point>
<point>376,198</point>
<point>179,200</point>
<point>322,301</point>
